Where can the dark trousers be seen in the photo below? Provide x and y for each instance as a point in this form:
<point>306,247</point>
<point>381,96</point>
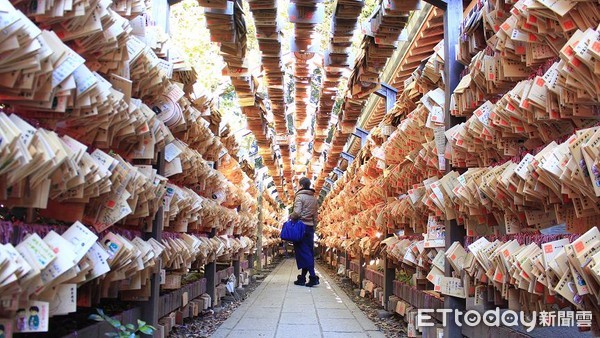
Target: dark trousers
<point>304,251</point>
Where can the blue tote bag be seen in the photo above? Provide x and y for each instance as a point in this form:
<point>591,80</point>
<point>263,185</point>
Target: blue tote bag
<point>292,231</point>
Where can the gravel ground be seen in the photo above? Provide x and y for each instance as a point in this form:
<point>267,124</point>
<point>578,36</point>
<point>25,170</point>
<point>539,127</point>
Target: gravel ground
<point>209,321</point>
<point>393,326</point>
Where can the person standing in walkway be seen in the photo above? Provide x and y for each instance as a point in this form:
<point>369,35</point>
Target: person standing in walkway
<point>305,210</point>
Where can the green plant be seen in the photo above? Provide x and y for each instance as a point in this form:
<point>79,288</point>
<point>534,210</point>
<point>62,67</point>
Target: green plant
<point>404,277</point>
<point>123,331</point>
<point>191,277</point>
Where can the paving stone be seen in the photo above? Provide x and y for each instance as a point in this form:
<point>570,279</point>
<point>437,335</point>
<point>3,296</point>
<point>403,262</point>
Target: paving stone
<point>334,313</point>
<point>231,322</point>
<point>266,323</point>
<point>341,325</point>
<point>344,335</point>
<point>331,305</point>
<point>221,333</point>
<point>263,312</point>
<point>301,299</point>
<point>278,308</point>
<point>291,307</point>
<point>376,334</point>
<point>275,303</point>
<point>298,318</point>
<point>251,334</point>
<point>365,322</point>
<point>298,331</point>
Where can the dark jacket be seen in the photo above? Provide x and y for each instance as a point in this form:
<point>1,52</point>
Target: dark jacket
<point>305,207</point>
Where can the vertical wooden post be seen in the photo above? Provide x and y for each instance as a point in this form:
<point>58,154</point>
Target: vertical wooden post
<point>251,261</point>
<point>259,246</point>
<point>266,253</point>
<point>149,311</point>
<point>210,273</point>
<point>452,20</point>
<point>389,274</point>
<point>388,93</point>
<point>150,308</point>
<point>348,258</point>
<point>361,269</point>
<point>330,257</point>
<point>30,213</point>
<point>236,270</point>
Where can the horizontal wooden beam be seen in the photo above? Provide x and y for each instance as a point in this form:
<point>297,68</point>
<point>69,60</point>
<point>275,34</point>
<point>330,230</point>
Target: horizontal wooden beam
<point>441,4</point>
<point>411,65</point>
<point>423,50</point>
<point>437,22</point>
<point>427,43</point>
<point>413,58</point>
<point>435,31</point>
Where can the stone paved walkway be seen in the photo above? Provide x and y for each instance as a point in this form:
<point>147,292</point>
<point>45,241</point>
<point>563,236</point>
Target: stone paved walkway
<point>278,308</point>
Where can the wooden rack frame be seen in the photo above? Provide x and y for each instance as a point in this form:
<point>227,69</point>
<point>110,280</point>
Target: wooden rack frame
<point>150,311</point>
<point>453,15</point>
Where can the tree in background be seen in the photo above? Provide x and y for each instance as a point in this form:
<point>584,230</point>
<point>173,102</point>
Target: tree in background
<point>189,33</point>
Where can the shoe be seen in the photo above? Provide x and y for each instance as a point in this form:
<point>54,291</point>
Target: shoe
<point>301,280</point>
<point>312,281</point>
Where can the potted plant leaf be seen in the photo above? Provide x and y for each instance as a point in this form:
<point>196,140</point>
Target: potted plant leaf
<point>123,330</point>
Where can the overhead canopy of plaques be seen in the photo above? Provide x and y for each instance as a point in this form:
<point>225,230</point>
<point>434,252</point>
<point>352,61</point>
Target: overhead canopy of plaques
<point>320,63</point>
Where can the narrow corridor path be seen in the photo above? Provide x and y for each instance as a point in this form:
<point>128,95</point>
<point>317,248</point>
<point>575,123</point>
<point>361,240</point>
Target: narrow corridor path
<point>278,308</point>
